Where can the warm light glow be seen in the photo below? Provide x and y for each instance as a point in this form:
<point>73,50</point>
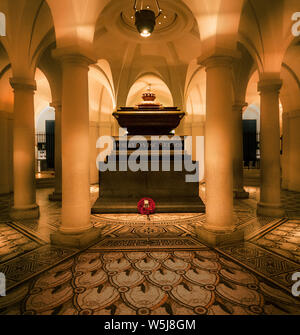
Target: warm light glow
<point>162,91</point>
<point>145,33</point>
<point>208,26</point>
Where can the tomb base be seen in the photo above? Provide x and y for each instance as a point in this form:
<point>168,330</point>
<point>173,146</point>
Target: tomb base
<point>120,191</point>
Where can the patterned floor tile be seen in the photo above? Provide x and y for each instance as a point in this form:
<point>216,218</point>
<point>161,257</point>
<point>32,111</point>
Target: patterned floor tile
<point>134,219</point>
<point>152,244</point>
<point>155,267</point>
<point>32,263</point>
<point>149,283</point>
<point>265,263</point>
<point>283,240</point>
<point>14,242</point>
<point>137,232</point>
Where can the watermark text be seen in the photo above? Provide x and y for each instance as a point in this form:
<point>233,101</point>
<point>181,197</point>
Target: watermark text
<point>296,26</point>
<point>2,24</point>
<point>151,153</point>
<point>296,286</point>
<point>2,285</point>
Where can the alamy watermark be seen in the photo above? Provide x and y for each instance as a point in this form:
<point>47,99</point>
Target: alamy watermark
<point>296,286</point>
<point>155,153</point>
<point>2,24</point>
<point>296,26</point>
<point>2,285</point>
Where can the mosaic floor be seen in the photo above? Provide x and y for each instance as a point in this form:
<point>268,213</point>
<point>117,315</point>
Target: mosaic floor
<point>160,267</point>
<point>142,283</point>
<point>31,264</point>
<point>14,242</point>
<point>283,240</point>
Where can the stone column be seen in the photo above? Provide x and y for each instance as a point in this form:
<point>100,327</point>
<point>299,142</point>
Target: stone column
<point>94,135</point>
<point>238,170</point>
<point>219,225</point>
<point>270,202</point>
<point>293,150</point>
<point>25,206</point>
<point>76,228</point>
<point>286,150</point>
<point>57,194</point>
<point>4,156</point>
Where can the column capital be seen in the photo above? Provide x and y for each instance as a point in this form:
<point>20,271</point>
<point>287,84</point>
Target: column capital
<point>269,85</point>
<point>56,104</point>
<point>18,83</point>
<point>239,106</point>
<point>71,55</point>
<point>216,61</point>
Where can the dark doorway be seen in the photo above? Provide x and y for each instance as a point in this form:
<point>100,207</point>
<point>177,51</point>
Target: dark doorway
<point>50,143</point>
<point>250,141</point>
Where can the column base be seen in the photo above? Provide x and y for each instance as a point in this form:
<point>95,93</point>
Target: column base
<point>25,213</point>
<point>240,194</point>
<point>271,210</point>
<point>55,196</point>
<point>78,241</point>
<point>214,239</point>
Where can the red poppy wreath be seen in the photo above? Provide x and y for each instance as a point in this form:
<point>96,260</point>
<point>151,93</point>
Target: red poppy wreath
<point>146,206</point>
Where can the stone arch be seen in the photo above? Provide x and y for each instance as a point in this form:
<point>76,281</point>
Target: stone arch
<point>43,94</point>
<point>6,93</point>
<point>196,88</point>
<point>290,118</point>
<point>30,30</point>
<point>252,111</point>
<point>77,29</point>
<point>101,106</point>
<point>218,23</point>
<point>195,107</point>
<point>159,87</point>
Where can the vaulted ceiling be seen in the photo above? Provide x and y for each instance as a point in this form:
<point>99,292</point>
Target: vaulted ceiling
<point>187,31</point>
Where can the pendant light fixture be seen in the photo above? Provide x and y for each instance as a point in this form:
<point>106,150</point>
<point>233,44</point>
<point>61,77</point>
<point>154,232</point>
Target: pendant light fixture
<point>145,18</point>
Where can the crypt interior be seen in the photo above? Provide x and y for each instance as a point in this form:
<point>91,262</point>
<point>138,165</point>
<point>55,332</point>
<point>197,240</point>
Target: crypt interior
<point>67,68</point>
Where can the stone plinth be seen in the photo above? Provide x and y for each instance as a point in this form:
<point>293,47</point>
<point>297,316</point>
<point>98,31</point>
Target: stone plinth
<point>120,191</point>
